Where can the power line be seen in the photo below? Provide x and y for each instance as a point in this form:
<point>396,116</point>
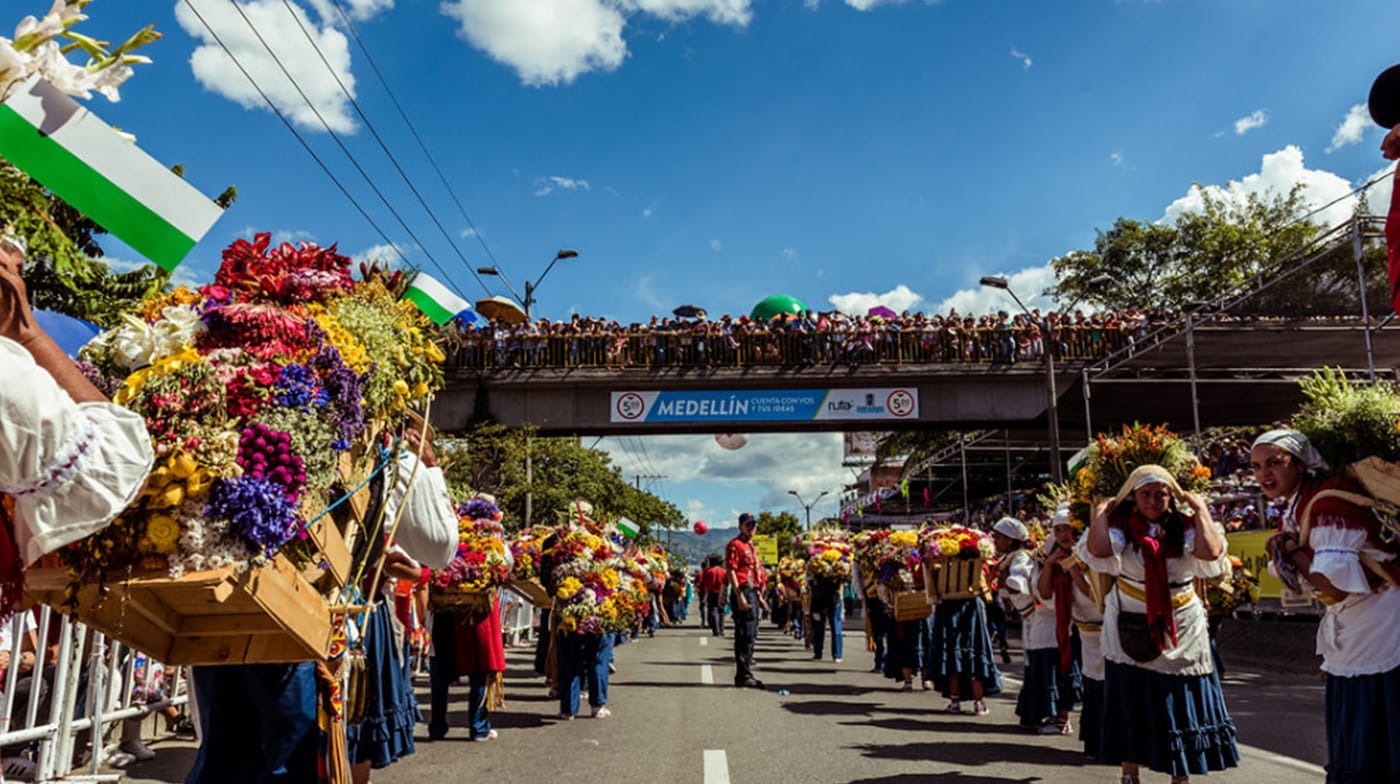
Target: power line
<point>375,133</point>
<point>335,136</point>
<point>324,168</point>
<point>413,130</point>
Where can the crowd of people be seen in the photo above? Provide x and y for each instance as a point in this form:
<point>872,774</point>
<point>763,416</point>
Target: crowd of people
<point>830,336</point>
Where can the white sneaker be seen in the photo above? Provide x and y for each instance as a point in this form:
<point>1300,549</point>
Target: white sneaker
<point>137,749</point>
<point>119,759</point>
<point>601,712</point>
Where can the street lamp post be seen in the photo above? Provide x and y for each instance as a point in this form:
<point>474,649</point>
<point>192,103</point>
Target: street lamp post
<point>1052,411</point>
<point>807,507</point>
<point>527,301</point>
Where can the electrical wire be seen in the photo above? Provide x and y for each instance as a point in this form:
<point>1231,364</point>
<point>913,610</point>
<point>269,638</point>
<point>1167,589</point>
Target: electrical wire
<point>413,130</point>
<point>382,146</point>
<point>334,136</point>
<point>290,127</point>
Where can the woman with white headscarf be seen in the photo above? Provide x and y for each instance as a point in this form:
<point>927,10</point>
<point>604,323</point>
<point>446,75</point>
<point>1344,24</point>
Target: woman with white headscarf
<point>1343,560</point>
<point>1163,707</point>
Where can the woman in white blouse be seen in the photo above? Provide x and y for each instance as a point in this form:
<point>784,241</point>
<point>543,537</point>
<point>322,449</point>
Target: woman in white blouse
<point>1359,636</point>
<point>1163,707</point>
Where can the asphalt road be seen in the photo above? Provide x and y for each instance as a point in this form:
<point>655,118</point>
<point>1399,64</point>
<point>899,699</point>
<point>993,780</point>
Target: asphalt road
<point>676,719</point>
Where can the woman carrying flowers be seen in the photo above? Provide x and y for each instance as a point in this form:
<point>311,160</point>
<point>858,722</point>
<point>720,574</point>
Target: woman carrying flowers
<point>959,659</point>
<point>1331,547</point>
<point>1041,695</point>
<point>1163,706</point>
<point>1054,669</point>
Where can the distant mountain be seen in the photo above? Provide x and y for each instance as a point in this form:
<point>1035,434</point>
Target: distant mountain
<point>694,547</point>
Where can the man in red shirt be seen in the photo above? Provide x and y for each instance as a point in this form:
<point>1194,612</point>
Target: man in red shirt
<point>745,577</point>
<point>712,584</point>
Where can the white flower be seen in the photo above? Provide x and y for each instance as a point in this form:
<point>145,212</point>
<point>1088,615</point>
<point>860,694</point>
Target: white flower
<point>68,13</point>
<point>177,570</point>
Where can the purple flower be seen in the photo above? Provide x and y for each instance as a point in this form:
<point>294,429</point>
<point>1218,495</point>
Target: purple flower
<point>257,510</point>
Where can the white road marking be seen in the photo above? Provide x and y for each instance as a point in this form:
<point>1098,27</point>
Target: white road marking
<point>704,640</point>
<point>707,676</point>
<point>716,767</point>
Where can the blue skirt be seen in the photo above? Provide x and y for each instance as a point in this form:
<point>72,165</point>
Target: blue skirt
<point>1363,728</point>
<point>1174,724</point>
<point>391,709</point>
<point>1045,691</point>
<point>1091,718</point>
<point>961,647</point>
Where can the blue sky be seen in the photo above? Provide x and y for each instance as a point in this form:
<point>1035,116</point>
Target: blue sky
<point>713,152</point>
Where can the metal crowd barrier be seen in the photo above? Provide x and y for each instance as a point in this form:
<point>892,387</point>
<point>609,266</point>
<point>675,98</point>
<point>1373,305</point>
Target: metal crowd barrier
<point>485,351</point>
<point>80,680</point>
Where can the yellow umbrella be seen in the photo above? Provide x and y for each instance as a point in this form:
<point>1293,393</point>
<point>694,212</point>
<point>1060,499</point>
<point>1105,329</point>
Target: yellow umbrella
<point>501,309</point>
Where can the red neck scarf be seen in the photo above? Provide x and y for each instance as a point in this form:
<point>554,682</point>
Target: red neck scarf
<point>11,566</point>
<point>1063,584</point>
<point>1155,552</point>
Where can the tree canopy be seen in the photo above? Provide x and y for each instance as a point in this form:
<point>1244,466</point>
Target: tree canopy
<point>784,527</point>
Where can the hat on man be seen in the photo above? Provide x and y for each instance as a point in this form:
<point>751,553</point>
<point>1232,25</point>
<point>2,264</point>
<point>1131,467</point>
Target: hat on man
<point>1384,100</point>
<point>1011,528</point>
<point>747,519</point>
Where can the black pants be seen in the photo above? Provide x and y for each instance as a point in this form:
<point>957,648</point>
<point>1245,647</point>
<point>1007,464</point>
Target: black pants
<point>875,611</point>
<point>442,671</point>
<point>745,632</point>
<point>542,643</point>
<point>714,612</point>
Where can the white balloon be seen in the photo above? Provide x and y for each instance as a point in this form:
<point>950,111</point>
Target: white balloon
<point>731,440</point>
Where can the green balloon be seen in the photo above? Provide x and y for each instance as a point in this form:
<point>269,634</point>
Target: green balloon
<point>776,305</point>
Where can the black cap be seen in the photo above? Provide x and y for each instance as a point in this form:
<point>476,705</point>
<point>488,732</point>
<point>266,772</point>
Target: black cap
<point>746,518</point>
<point>1384,101</point>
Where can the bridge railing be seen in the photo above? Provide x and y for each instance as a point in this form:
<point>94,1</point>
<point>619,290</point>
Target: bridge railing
<point>1070,342</point>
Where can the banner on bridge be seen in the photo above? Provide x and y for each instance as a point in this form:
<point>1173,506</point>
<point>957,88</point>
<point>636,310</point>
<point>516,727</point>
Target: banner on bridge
<point>765,405</point>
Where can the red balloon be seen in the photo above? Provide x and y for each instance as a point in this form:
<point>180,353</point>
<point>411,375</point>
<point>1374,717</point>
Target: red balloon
<point>700,527</point>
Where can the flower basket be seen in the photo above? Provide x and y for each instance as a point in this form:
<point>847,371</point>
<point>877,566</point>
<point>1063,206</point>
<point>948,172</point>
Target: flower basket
<point>458,600</point>
<point>267,614</point>
<point>911,606</point>
<point>955,578</point>
<point>533,592</point>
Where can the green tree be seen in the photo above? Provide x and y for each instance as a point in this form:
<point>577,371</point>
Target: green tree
<point>491,459</point>
<point>784,527</point>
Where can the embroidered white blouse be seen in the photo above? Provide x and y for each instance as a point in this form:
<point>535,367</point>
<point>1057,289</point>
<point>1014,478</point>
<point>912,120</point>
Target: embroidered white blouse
<point>71,467</point>
<point>1191,654</point>
<point>1037,616</point>
<point>428,531</point>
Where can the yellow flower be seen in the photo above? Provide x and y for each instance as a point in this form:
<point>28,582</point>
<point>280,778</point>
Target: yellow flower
<point>163,532</point>
<point>904,538</point>
<point>569,587</point>
<point>610,579</point>
<point>831,554</point>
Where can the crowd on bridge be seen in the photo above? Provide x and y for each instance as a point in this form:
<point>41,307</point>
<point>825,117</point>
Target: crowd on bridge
<point>880,336</point>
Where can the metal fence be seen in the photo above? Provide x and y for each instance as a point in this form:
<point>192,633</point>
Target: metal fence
<point>482,351</point>
<point>79,680</point>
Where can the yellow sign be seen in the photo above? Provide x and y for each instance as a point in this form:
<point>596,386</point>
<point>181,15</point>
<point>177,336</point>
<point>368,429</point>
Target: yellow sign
<point>767,549</point>
<point>1248,546</point>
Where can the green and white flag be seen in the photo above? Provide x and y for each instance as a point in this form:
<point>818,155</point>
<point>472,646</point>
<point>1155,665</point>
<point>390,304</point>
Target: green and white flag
<point>437,301</point>
<point>73,153</point>
<point>628,528</point>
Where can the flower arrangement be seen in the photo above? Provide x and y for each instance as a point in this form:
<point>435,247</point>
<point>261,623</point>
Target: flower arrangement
<point>829,555</point>
<point>254,390</point>
<point>598,590</point>
<point>1110,459</point>
<point>526,548</point>
<point>1348,422</point>
<point>897,560</point>
<point>1240,587</point>
<point>36,49</point>
<point>946,544</point>
<point>865,547</point>
<point>790,571</point>
<point>481,563</point>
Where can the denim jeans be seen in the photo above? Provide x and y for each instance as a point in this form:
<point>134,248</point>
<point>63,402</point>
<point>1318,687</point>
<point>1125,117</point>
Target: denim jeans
<point>583,657</point>
<point>478,723</point>
<point>819,632</point>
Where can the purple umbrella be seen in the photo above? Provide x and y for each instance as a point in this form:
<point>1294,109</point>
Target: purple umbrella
<point>880,311</point>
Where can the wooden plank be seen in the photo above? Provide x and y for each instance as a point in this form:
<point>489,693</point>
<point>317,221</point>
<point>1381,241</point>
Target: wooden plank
<point>207,650</point>
<point>227,625</point>
<point>145,601</point>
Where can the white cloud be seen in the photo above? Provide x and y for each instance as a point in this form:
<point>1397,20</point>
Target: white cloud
<point>468,232</point>
<point>1358,119</point>
<point>1258,119</point>
<point>1022,56</point>
<point>547,42</point>
<point>1027,283</point>
<point>1278,172</point>
<point>899,299</point>
<point>866,5</point>
<point>1117,158</point>
<point>288,235</point>
<point>715,245</point>
<point>358,10</point>
<point>547,185</point>
<point>383,253</point>
<point>218,73</point>
<point>1378,196</point>
<point>650,209</point>
<point>791,256</point>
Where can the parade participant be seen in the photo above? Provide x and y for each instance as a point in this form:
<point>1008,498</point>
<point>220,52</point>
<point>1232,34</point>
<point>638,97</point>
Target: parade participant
<point>1057,668</point>
<point>70,460</point>
<point>1163,707</point>
<point>826,605</point>
<point>1344,560</point>
<point>1047,694</point>
<point>873,610</point>
<point>959,660</point>
<point>744,576</point>
<point>712,587</point>
<point>1088,627</point>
